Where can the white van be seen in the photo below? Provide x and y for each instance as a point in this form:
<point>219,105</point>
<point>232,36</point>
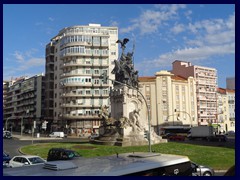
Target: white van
<point>57,134</point>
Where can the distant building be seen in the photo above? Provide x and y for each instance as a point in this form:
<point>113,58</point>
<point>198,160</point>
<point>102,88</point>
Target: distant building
<point>206,86</point>
<point>223,110</point>
<point>24,103</point>
<point>171,99</point>
<point>231,103</point>
<point>75,59</point>
<point>230,83</point>
<point>226,110</point>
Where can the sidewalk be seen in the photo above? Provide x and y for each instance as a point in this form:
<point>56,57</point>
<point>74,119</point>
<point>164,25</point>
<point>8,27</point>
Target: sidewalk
<point>28,137</point>
<point>25,137</point>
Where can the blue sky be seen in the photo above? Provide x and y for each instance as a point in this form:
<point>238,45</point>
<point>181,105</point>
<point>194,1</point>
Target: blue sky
<point>202,34</point>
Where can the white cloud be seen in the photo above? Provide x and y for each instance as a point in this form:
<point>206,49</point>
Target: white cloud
<point>51,19</point>
<point>230,23</point>
<point>188,14</point>
<point>18,56</point>
<point>27,60</point>
<point>31,63</point>
<point>190,54</point>
<point>178,28</point>
<point>113,23</point>
<point>150,20</point>
<point>38,23</point>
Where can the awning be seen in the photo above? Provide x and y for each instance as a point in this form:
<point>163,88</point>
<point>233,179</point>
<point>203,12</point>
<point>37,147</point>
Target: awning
<point>216,125</point>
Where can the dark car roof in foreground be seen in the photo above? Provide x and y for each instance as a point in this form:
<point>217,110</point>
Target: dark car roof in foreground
<point>114,165</point>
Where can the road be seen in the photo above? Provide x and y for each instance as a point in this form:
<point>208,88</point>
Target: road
<point>11,146</point>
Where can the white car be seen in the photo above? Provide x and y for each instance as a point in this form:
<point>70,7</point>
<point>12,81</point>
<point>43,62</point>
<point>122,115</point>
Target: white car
<point>200,170</point>
<point>25,160</point>
<point>93,136</point>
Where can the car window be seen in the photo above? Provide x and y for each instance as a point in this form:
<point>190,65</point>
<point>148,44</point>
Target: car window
<point>70,154</point>
<point>17,159</point>
<point>24,160</point>
<point>36,160</point>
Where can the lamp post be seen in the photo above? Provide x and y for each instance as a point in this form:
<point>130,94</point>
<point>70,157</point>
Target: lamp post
<point>6,124</point>
<point>187,114</point>
<point>216,115</point>
<point>104,77</point>
<point>21,125</point>
<point>173,117</point>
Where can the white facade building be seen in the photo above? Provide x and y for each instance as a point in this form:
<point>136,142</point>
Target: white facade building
<point>80,55</point>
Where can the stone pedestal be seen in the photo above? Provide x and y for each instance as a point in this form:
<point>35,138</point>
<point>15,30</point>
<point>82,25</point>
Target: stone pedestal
<point>128,108</point>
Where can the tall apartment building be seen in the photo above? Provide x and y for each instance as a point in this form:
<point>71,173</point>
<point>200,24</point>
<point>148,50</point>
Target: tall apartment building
<point>206,88</point>
<point>24,103</point>
<point>171,99</point>
<point>230,83</point>
<point>5,88</point>
<point>75,59</point>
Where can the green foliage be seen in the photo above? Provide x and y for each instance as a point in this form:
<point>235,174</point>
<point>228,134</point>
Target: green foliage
<point>215,157</point>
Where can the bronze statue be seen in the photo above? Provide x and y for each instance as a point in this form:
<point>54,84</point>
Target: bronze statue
<point>124,67</point>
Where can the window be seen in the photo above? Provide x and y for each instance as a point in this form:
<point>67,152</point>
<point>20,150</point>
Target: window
<point>88,62</point>
<point>96,81</point>
<point>96,71</point>
<point>105,91</point>
<point>96,92</point>
<point>88,92</point>
<point>88,80</point>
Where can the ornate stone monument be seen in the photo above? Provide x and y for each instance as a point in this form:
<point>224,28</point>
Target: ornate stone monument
<point>128,122</point>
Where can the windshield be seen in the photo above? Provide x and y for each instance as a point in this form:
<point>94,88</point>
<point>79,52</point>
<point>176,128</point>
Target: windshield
<point>36,160</point>
<point>72,154</point>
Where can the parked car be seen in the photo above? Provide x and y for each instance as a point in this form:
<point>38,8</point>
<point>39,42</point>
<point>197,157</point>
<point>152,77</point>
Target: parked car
<point>57,134</point>
<point>93,136</point>
<point>55,154</point>
<point>200,170</point>
<point>218,137</point>
<point>25,160</point>
<point>230,133</point>
<point>7,135</point>
<point>167,135</point>
<point>177,138</point>
<point>6,159</point>
<point>27,131</point>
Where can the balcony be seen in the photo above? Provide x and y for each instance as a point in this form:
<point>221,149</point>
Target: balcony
<point>69,105</point>
<point>81,117</point>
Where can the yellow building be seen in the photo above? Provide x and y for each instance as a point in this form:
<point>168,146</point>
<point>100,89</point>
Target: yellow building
<point>171,99</point>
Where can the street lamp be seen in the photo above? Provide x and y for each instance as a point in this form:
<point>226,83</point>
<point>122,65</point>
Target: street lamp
<point>187,114</point>
<point>6,124</point>
<point>27,111</point>
<point>21,125</point>
<point>216,116</point>
<point>104,78</point>
<point>173,117</point>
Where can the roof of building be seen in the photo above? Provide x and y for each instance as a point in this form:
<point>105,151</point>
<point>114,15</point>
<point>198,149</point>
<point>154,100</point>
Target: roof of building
<point>221,90</point>
<point>230,90</point>
<point>153,78</point>
<point>177,77</point>
<point>147,79</point>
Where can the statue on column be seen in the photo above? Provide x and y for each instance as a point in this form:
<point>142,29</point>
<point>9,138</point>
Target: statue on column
<point>124,67</point>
